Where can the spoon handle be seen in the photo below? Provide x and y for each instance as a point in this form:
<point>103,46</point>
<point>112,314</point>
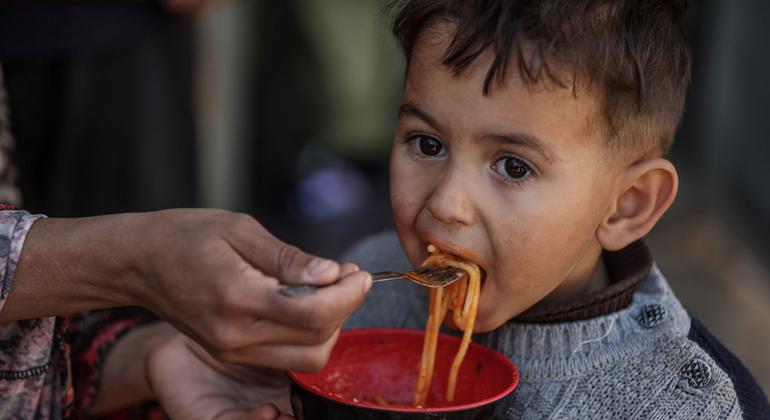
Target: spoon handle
<point>387,276</point>
<point>306,289</point>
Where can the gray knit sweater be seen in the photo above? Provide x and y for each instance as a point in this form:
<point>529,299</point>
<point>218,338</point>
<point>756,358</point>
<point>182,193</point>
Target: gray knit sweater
<point>636,363</point>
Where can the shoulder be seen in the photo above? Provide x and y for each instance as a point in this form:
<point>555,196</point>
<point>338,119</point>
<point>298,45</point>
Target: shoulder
<point>389,304</point>
<point>691,384</point>
<point>707,378</point>
<point>752,399</point>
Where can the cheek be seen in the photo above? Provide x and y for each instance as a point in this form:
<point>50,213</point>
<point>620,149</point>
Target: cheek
<point>407,197</point>
<point>407,192</point>
<point>408,189</point>
<point>539,237</point>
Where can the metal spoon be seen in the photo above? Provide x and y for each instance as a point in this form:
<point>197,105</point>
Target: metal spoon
<point>424,276</point>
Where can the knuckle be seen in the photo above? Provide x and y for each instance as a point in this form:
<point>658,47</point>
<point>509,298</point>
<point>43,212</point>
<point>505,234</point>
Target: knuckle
<point>222,307</point>
<point>229,297</point>
<point>287,256</point>
<point>242,222</point>
<point>225,340</point>
<point>317,317</point>
<point>227,357</point>
<point>324,333</point>
<point>324,353</point>
<point>316,361</point>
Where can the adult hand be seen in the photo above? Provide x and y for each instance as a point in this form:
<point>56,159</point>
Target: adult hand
<point>216,275</point>
<point>213,274</point>
<point>157,362</point>
<point>192,385</point>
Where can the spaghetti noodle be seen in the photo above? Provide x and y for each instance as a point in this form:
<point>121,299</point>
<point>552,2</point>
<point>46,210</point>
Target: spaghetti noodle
<point>462,298</point>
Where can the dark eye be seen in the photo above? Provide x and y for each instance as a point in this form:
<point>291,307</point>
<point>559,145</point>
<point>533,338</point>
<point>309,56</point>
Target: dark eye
<point>512,168</point>
<point>427,146</point>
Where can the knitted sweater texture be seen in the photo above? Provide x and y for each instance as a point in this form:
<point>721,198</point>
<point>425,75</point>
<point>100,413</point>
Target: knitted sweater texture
<point>635,363</point>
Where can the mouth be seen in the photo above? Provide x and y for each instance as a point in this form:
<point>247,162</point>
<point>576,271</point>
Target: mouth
<point>461,253</point>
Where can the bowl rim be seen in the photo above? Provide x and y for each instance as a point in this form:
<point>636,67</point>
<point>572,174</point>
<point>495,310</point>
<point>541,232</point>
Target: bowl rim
<point>409,331</point>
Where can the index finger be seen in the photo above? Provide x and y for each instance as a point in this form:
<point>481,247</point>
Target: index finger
<point>325,305</point>
<point>276,258</point>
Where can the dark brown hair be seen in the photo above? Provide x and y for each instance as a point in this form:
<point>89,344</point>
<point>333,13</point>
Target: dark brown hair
<point>634,52</point>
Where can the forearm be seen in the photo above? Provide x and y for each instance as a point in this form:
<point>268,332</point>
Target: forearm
<point>124,379</point>
<point>75,265</point>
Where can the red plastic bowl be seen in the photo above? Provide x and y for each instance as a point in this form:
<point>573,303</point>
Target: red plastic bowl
<point>384,362</point>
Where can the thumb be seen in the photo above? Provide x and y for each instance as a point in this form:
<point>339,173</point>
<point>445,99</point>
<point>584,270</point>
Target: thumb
<point>285,262</point>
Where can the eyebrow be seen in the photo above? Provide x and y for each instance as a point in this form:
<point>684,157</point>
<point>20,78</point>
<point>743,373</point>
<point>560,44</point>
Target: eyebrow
<point>411,110</point>
<point>517,139</point>
<point>524,140</point>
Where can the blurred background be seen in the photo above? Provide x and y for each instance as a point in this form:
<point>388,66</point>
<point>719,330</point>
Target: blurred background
<point>284,110</point>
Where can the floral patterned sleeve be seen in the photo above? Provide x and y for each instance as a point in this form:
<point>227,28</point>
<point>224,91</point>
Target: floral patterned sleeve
<point>34,368</point>
<point>92,336</point>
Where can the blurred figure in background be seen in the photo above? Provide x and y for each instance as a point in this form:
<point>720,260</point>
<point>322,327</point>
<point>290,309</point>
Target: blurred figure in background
<point>297,117</point>
<point>101,100</point>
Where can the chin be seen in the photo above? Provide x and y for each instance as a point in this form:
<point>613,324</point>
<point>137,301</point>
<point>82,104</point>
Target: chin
<point>485,323</point>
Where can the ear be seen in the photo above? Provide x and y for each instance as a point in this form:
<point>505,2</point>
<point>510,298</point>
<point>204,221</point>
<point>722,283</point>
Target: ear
<point>645,191</point>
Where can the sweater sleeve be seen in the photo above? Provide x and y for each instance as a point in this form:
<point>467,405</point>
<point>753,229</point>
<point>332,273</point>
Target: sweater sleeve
<point>752,399</point>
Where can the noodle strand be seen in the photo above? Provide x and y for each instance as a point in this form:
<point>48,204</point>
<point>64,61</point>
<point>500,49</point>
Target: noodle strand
<point>461,297</point>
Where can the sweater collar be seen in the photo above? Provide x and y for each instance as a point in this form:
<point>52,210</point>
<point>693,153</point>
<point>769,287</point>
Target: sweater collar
<point>549,350</point>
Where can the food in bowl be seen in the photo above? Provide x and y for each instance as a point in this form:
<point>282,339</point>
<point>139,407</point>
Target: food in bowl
<point>367,365</point>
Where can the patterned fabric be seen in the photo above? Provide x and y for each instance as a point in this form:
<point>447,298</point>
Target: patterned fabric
<point>33,364</point>
<point>50,367</point>
<point>92,335</point>
<point>9,191</point>
<point>637,362</point>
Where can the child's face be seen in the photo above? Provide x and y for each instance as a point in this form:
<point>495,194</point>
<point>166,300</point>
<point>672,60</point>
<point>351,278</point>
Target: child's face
<point>517,181</point>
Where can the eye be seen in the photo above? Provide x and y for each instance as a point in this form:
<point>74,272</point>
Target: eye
<point>427,146</point>
<point>512,168</point>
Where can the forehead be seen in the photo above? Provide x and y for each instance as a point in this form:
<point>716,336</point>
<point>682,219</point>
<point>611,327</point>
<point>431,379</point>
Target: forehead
<point>544,109</point>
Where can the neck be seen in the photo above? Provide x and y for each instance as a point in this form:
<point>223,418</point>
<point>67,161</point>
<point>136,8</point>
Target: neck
<point>607,285</point>
<point>598,280</point>
<point>588,276</point>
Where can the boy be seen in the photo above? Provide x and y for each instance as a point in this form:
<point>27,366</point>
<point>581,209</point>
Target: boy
<point>531,137</point>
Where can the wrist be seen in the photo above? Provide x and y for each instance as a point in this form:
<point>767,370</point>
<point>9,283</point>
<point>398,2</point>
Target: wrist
<point>134,253</point>
<point>109,253</point>
<point>146,249</point>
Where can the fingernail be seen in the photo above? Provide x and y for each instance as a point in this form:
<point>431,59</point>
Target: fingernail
<point>369,284</point>
<point>319,266</point>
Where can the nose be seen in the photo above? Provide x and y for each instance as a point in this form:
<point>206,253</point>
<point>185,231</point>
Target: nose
<point>451,200</point>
